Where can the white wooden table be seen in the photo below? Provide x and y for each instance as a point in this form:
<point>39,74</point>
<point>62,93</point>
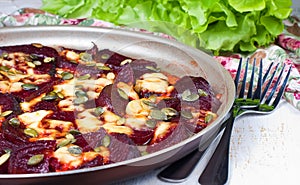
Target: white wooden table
<point>265,150</point>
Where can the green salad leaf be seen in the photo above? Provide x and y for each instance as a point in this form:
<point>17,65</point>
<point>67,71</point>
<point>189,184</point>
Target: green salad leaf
<point>216,25</point>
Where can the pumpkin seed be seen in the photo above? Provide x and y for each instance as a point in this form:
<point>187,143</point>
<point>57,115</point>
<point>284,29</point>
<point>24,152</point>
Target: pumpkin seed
<point>35,159</point>
<point>208,117</point>
<point>67,76</point>
<point>48,59</point>
<point>50,97</point>
<point>104,68</point>
<point>80,100</point>
<point>4,68</point>
<point>63,143</point>
<point>126,61</point>
<point>33,56</point>
<point>188,96</point>
<point>152,98</point>
<point>14,122</point>
<point>6,113</point>
<point>151,123</point>
<point>122,93</point>
<point>38,45</point>
<point>186,114</point>
<point>28,87</point>
<point>144,153</point>
<point>4,158</point>
<point>99,110</point>
<point>105,141</point>
<point>170,112</point>
<point>105,56</point>
<point>37,63</point>
<point>30,64</point>
<point>60,95</point>
<point>202,92</point>
<point>97,149</point>
<point>74,132</point>
<point>84,77</point>
<point>31,132</point>
<point>4,55</point>
<point>148,103</point>
<point>86,57</point>
<point>76,150</point>
<point>80,93</point>
<point>153,68</point>
<point>158,115</point>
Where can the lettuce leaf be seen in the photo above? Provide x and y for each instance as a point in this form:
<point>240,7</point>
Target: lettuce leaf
<point>216,25</point>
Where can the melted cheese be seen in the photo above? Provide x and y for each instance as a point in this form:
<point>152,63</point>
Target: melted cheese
<point>113,128</point>
<point>87,122</point>
<point>26,106</point>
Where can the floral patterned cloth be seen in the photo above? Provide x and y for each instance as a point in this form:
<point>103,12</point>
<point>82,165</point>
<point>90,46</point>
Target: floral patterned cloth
<point>286,50</point>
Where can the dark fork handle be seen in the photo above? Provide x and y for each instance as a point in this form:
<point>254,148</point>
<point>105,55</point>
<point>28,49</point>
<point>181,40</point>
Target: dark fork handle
<point>216,171</point>
<point>182,168</point>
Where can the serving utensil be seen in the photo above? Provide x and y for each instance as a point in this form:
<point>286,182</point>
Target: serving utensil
<point>181,169</point>
<point>258,102</point>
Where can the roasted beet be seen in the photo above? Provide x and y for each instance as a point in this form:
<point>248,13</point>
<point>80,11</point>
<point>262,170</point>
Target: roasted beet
<point>36,49</point>
<point>142,137</point>
<point>8,102</point>
<point>172,102</point>
<point>63,115</point>
<point>122,148</point>
<point>125,75</point>
<point>91,140</point>
<point>174,135</point>
<point>111,99</point>
<point>141,67</point>
<point>19,157</point>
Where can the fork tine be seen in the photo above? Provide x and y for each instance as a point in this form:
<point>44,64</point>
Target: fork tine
<point>250,89</point>
<point>237,76</point>
<point>269,82</point>
<point>257,93</point>
<point>267,72</point>
<point>268,100</point>
<point>242,91</point>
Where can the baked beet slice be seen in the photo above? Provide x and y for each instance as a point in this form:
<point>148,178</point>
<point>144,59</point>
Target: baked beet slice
<point>5,145</point>
<point>8,102</point>
<point>20,156</point>
<point>110,98</point>
<point>141,67</point>
<point>125,74</point>
<point>175,135</point>
<point>89,141</point>
<point>122,148</point>
<point>142,137</point>
<point>36,49</point>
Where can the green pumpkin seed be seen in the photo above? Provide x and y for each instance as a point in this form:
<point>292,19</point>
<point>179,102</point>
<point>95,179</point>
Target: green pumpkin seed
<point>186,114</point>
<point>31,132</point>
<point>208,117</point>
<point>170,112</point>
<point>122,93</point>
<point>86,57</point>
<point>75,150</point>
<point>74,132</point>
<point>153,68</point>
<point>4,55</point>
<point>60,95</point>
<point>104,68</point>
<point>80,100</point>
<point>37,63</point>
<point>158,115</point>
<point>188,96</point>
<point>126,61</point>
<point>14,122</point>
<point>4,158</point>
<point>50,97</point>
<point>144,153</point>
<point>105,56</point>
<point>49,59</point>
<point>30,64</point>
<point>151,123</point>
<point>6,113</point>
<point>148,103</point>
<point>97,149</point>
<point>105,141</point>
<point>98,111</point>
<point>63,143</point>
<point>202,92</point>
<point>67,76</point>
<point>80,93</point>
<point>28,87</point>
<point>33,56</point>
<point>4,68</point>
<point>84,77</point>
<point>152,98</point>
<point>35,159</point>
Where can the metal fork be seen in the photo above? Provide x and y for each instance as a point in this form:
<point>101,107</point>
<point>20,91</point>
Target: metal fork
<point>258,102</point>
